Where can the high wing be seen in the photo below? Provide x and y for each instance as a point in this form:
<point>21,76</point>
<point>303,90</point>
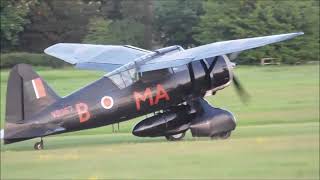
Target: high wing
<point>212,50</point>
<point>96,57</point>
<point>111,57</point>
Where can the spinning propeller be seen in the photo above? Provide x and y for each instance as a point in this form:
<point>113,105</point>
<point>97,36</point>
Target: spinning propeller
<point>242,93</point>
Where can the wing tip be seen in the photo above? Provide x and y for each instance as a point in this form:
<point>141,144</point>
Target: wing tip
<point>52,51</point>
<point>48,49</point>
<point>299,33</point>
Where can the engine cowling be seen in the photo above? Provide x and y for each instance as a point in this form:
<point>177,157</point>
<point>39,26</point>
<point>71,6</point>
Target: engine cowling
<point>211,121</point>
<point>173,121</point>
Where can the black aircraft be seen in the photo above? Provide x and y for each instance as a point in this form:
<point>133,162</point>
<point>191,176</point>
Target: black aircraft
<point>168,83</point>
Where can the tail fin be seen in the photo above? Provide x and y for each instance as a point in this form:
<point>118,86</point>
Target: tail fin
<point>27,94</point>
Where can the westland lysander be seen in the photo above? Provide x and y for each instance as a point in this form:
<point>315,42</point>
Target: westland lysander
<point>169,83</point>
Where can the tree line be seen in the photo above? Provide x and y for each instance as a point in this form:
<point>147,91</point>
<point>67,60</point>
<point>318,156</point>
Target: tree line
<point>32,25</point>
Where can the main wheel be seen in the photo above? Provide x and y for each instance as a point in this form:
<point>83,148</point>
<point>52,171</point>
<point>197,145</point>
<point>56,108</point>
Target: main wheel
<point>38,146</point>
<point>225,135</point>
<point>176,137</point>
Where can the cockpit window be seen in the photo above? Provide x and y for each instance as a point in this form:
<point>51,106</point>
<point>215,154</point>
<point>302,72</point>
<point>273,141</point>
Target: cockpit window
<point>125,78</point>
<point>155,75</point>
<point>117,80</point>
<point>133,74</point>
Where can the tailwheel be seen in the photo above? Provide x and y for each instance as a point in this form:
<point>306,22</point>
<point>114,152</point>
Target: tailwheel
<point>176,137</point>
<point>38,145</point>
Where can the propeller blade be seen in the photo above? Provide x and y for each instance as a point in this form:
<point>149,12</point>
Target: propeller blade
<point>244,96</point>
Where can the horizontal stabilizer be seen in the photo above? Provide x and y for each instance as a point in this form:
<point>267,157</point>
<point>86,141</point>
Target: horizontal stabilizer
<point>21,132</point>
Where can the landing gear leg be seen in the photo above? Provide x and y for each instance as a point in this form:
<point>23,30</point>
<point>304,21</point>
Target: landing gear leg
<point>38,145</point>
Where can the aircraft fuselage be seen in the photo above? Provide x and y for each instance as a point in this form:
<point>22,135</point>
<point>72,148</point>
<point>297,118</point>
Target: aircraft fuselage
<point>111,100</point>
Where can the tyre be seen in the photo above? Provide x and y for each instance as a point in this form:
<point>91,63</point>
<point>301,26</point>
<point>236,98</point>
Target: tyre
<point>38,146</point>
<point>224,135</point>
<point>176,137</point>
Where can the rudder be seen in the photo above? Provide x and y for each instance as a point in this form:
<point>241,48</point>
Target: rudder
<point>27,94</point>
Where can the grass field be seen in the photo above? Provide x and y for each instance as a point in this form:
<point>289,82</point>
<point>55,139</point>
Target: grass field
<point>277,136</point>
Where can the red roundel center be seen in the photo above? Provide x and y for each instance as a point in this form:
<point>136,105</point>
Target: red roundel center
<point>107,102</point>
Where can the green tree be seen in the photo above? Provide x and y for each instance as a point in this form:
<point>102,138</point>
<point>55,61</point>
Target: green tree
<point>99,32</point>
<point>175,19</point>
<point>126,28</point>
<point>226,20</point>
<point>139,15</point>
<point>13,19</point>
<point>102,31</point>
<point>54,21</point>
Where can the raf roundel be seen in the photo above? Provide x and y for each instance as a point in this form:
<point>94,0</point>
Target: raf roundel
<point>107,102</point>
